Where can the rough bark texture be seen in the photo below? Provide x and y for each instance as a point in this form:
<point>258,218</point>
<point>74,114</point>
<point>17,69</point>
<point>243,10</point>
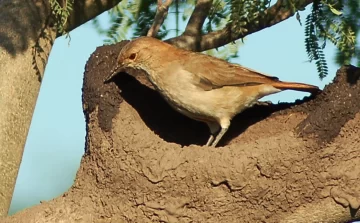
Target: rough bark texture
<point>26,38</point>
<point>144,163</point>
<point>86,10</point>
<point>22,21</point>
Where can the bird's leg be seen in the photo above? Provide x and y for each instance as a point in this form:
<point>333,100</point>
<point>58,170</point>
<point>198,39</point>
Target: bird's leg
<point>214,128</point>
<point>210,140</point>
<point>224,127</point>
<point>219,136</point>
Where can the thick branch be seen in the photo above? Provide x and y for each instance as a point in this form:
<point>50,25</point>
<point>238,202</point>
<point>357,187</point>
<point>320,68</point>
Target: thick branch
<point>197,19</point>
<point>161,13</point>
<point>273,15</point>
<point>86,10</point>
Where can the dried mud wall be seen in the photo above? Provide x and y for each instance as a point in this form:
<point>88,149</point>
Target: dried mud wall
<point>144,162</point>
<point>289,162</point>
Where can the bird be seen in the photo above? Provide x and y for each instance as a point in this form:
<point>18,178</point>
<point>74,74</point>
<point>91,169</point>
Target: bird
<point>202,87</point>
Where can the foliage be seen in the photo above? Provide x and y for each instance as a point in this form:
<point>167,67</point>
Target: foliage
<point>131,19</point>
<point>329,20</point>
<point>136,16</point>
<point>61,14</point>
<point>351,12</point>
<point>218,18</point>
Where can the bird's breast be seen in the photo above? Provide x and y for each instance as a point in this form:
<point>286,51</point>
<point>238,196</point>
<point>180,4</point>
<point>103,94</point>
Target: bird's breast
<point>183,96</point>
<point>186,97</point>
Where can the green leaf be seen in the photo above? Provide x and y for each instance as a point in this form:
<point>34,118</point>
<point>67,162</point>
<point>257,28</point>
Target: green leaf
<point>335,11</point>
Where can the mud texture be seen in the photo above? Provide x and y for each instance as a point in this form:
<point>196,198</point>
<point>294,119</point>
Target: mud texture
<point>137,90</point>
<point>267,169</point>
<point>338,103</point>
<point>146,162</point>
<point>271,168</point>
<point>98,94</point>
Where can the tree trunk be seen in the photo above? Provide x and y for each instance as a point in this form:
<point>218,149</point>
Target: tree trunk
<point>22,27</point>
<point>144,163</point>
<point>26,38</point>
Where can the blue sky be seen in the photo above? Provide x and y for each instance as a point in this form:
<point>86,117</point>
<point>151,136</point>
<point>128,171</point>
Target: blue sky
<point>55,143</point>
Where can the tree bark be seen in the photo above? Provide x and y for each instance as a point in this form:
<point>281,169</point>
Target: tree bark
<point>22,26</point>
<point>144,162</point>
<point>26,38</point>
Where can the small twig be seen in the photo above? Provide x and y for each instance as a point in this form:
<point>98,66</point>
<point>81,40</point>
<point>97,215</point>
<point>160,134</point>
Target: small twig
<point>197,19</point>
<point>161,13</point>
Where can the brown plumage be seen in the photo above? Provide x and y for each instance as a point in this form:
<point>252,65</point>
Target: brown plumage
<point>199,86</point>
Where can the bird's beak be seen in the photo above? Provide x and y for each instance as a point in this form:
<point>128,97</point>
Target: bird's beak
<point>117,69</point>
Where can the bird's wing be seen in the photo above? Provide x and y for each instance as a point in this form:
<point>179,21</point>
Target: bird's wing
<point>215,73</point>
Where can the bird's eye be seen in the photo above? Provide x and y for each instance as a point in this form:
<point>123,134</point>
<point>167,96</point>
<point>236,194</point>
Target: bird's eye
<point>132,56</point>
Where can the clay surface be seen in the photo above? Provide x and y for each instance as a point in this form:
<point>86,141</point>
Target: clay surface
<point>263,142</point>
<point>292,162</point>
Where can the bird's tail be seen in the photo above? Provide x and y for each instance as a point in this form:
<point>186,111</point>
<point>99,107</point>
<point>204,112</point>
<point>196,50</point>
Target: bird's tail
<point>296,86</point>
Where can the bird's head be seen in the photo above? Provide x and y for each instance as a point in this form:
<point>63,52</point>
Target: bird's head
<point>135,54</point>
